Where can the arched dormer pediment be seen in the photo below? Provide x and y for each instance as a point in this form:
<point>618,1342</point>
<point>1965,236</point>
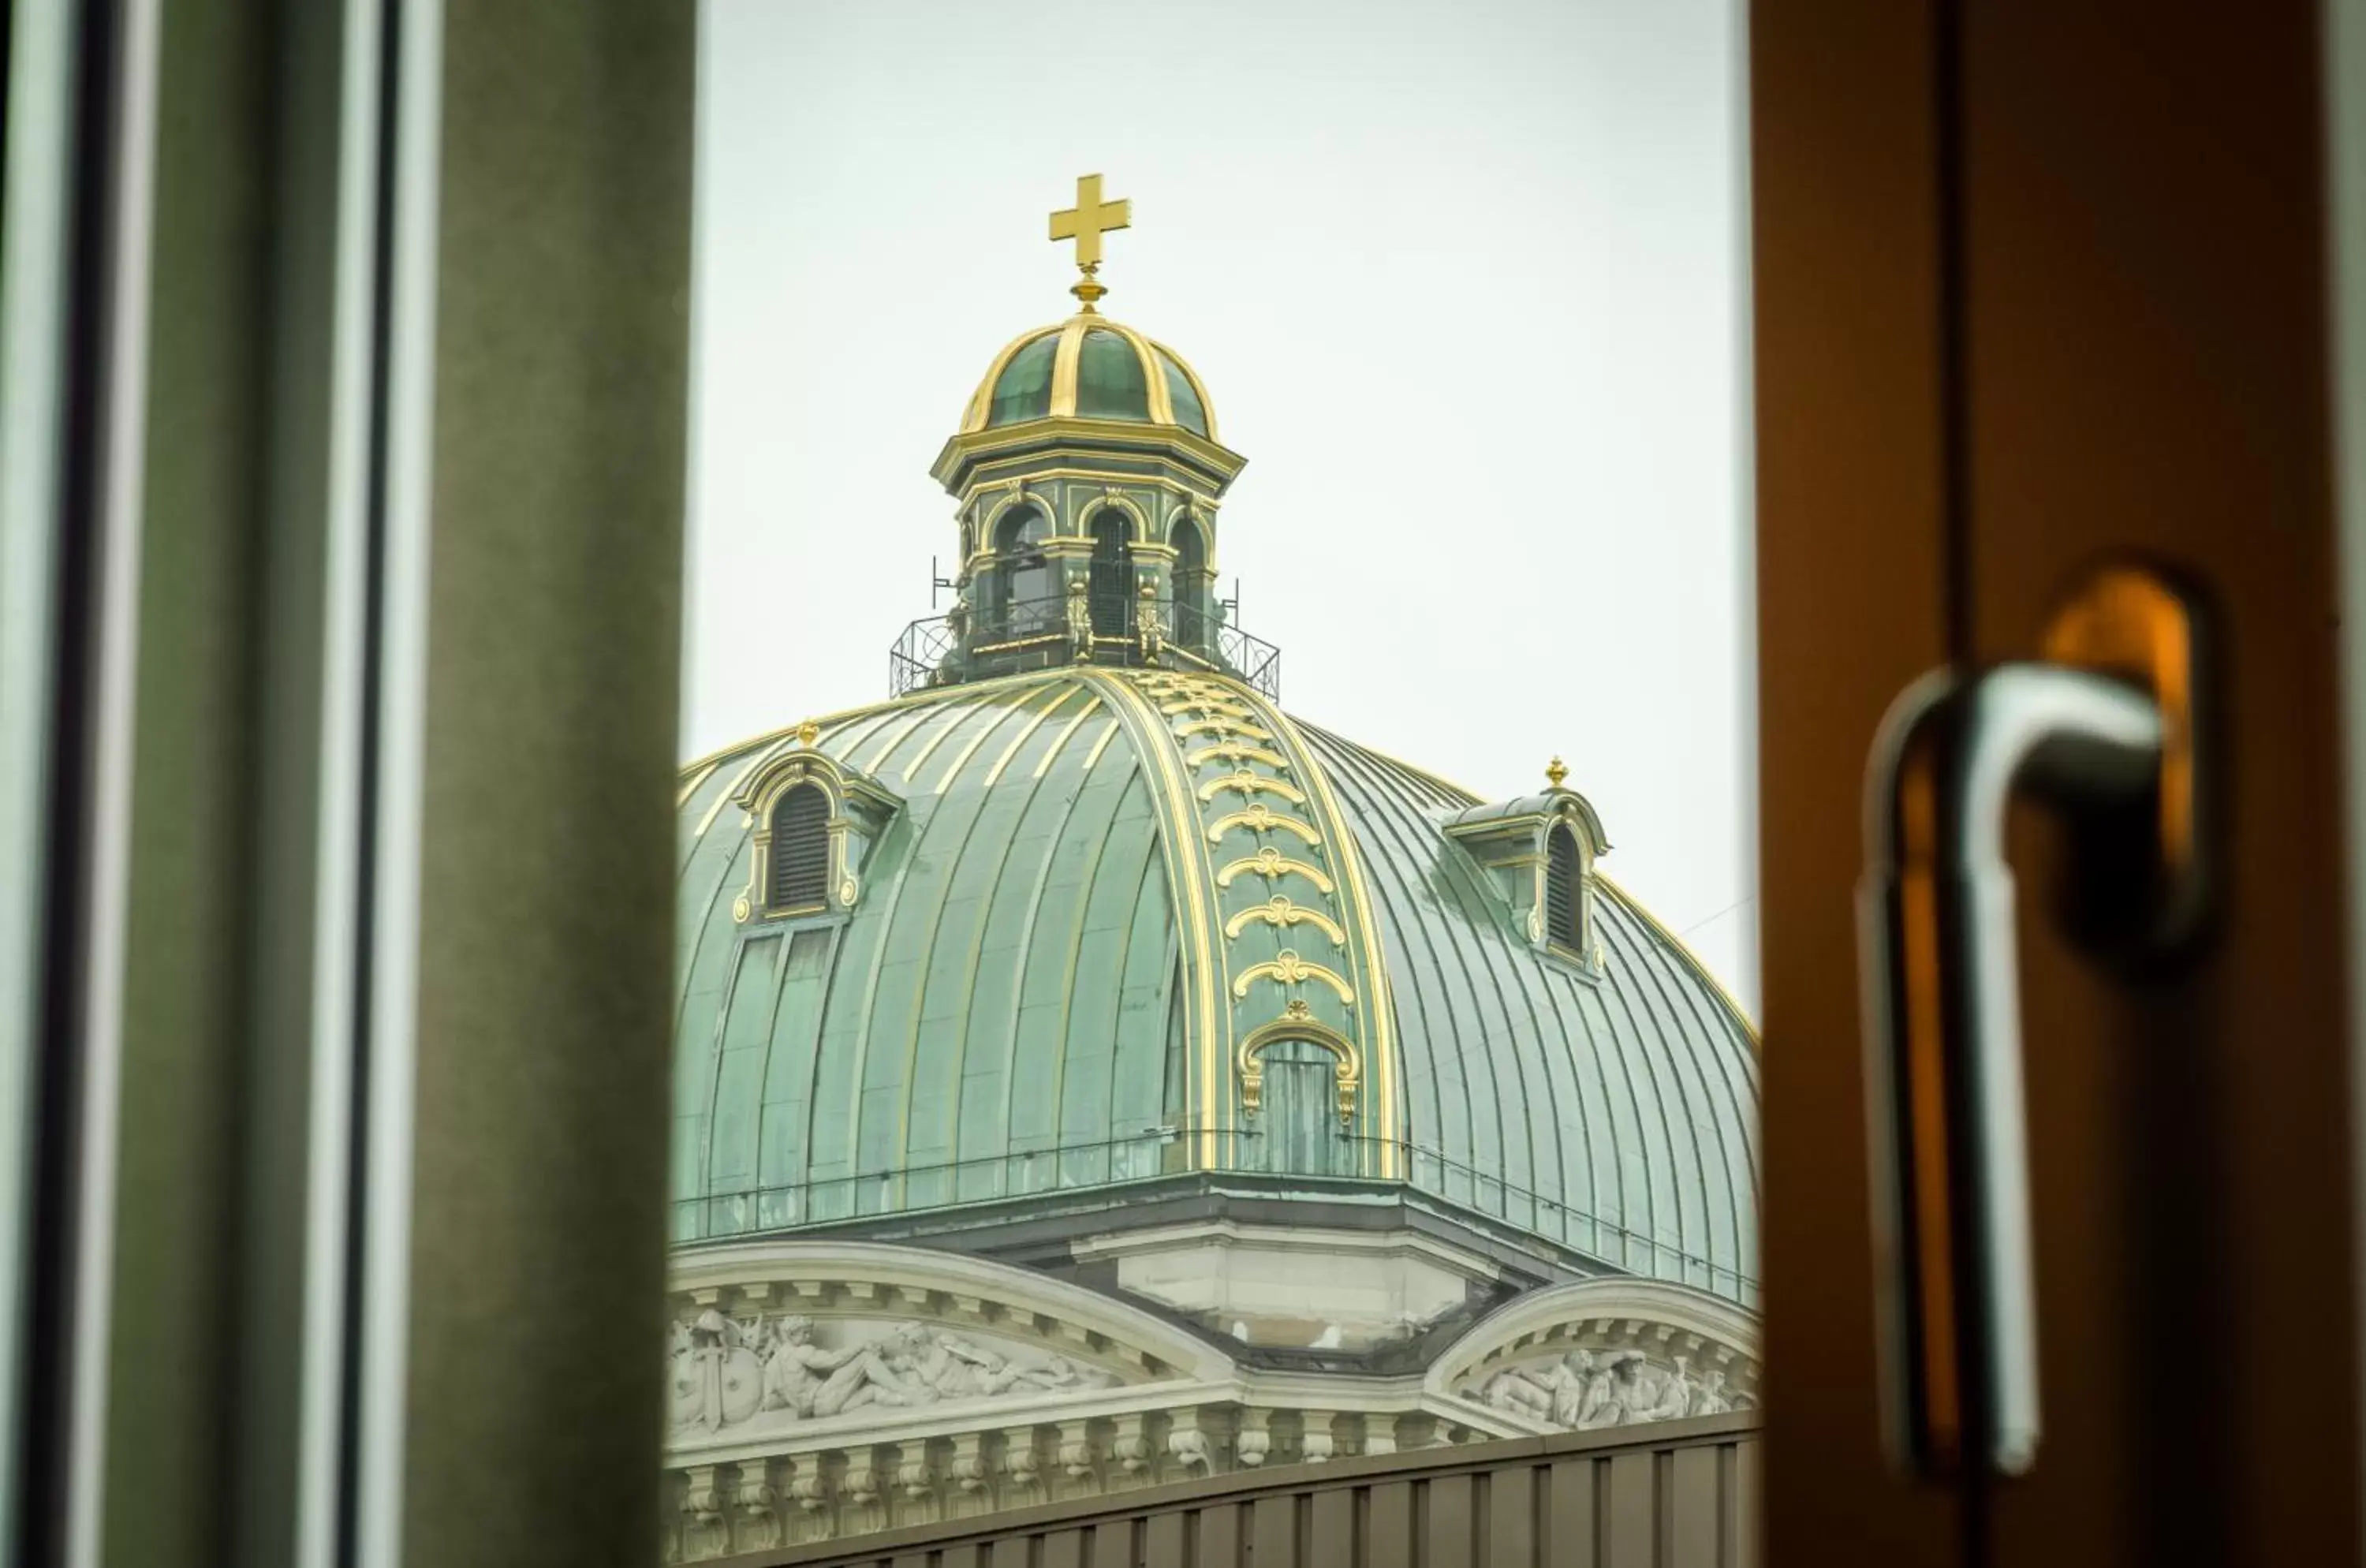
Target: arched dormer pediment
<point>1539,851</point>
<point>1297,1022</point>
<point>816,821</point>
<point>807,1342</point>
<point>1598,1353</point>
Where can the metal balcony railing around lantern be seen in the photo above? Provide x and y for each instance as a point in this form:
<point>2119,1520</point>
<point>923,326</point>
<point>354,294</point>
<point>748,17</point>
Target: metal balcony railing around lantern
<point>1037,634</point>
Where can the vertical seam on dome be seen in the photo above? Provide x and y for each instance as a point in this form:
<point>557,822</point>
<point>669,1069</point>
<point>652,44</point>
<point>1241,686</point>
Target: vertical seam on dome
<point>1154,746</point>
<point>1498,958</point>
<point>1372,1032</point>
<point>832,724</point>
<point>1655,979</point>
<point>961,758</point>
<point>1717,1030</point>
<point>691,788</point>
<point>956,711</point>
<point>1602,1042</point>
<point>778,939</point>
<point>1198,387</point>
<point>1054,706</point>
<point>898,729</point>
<point>981,402</point>
<point>867,1014</point>
<point>1142,876</point>
<point>1153,375</point>
<point>1101,745</point>
<point>1065,1034</point>
<point>1381,1026</point>
<point>1044,765</point>
<point>810,1040</point>
<point>1026,933</point>
<point>1692,960</point>
<point>1063,369</point>
<point>1443,966</point>
<point>926,955</point>
<point>1631,1036</point>
<point>1570,1019</point>
<point>682,1016</point>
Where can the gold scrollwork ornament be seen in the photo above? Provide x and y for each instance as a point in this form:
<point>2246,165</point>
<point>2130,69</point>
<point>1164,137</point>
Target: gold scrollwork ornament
<point>1280,913</point>
<point>1286,968</point>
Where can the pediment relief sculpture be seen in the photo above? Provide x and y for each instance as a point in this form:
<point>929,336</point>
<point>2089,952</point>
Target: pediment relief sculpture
<point>1584,1390</point>
<point>775,1370</point>
<point>1606,1352</point>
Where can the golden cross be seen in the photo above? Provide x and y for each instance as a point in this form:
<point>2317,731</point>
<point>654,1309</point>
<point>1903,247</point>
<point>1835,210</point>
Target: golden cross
<point>1085,223</point>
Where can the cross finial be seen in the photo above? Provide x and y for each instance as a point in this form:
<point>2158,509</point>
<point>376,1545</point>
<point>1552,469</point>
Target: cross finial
<point>1085,223</point>
<point>1555,771</point>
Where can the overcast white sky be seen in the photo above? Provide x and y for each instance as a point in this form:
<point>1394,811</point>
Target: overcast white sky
<point>1465,283</point>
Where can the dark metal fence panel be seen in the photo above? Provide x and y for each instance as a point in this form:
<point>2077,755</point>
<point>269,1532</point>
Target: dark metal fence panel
<point>1678,1494</point>
<point>1031,633</point>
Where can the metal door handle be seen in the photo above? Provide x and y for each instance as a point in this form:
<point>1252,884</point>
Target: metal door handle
<point>2104,730</point>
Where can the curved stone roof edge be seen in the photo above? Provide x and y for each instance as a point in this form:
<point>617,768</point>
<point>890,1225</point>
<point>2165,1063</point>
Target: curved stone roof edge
<point>728,1264</point>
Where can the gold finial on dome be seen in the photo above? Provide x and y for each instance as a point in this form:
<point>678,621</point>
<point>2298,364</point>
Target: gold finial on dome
<point>808,732</point>
<point>1555,771</point>
<point>1085,223</point>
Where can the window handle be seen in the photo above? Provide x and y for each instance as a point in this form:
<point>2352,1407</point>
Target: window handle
<point>2104,731</point>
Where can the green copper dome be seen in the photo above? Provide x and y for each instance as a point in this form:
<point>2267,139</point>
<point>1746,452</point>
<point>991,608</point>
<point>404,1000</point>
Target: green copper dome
<point>1097,927</point>
<point>1089,367</point>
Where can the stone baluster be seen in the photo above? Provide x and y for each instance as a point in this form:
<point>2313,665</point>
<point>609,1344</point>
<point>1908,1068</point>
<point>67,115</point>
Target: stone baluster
<point>1078,1467</point>
<point>1131,1452</point>
<point>704,1534</point>
<point>1255,1439</point>
<point>1316,1446</point>
<point>970,1477</point>
<point>861,1494</point>
<point>1189,1444</point>
<point>755,1526</point>
<point>1022,1466</point>
<point>805,1485</point>
<point>916,1483</point>
<point>1379,1433</point>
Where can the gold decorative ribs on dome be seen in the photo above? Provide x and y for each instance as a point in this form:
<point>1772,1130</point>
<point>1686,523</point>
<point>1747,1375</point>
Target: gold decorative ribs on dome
<point>1234,751</point>
<point>1221,745</point>
<point>1241,781</point>
<point>1273,866</point>
<point>1233,726</point>
<point>1206,705</point>
<point>1280,911</point>
<point>1286,968</point>
<point>1045,373</point>
<point>1261,819</point>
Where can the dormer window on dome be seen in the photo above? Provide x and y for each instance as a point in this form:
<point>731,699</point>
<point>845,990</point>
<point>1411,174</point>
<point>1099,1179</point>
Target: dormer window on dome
<point>817,821</point>
<point>1539,852</point>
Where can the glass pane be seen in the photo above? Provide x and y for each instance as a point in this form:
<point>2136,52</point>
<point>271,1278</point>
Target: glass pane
<point>1025,389</point>
<point>1187,411</point>
<point>1126,933</point>
<point>1110,383</point>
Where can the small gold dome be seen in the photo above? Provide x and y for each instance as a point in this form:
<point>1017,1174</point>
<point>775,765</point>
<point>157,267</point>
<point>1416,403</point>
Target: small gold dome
<point>1089,367</point>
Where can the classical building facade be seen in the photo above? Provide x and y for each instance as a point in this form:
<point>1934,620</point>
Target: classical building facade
<point>1091,1076</point>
